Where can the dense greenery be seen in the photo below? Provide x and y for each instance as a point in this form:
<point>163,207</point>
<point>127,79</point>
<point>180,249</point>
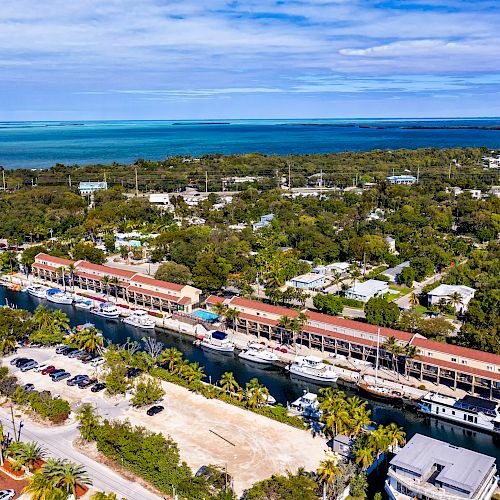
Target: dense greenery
<point>299,486</point>
<point>380,312</point>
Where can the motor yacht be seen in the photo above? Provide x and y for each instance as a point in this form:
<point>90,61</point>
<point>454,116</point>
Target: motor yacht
<point>59,297</point>
<point>106,310</point>
<point>258,353</point>
<point>140,319</point>
<point>216,341</point>
<point>313,368</point>
<point>83,303</point>
<point>39,291</point>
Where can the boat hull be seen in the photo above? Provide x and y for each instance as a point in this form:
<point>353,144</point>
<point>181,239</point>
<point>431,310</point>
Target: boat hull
<point>314,377</point>
<point>250,357</point>
<point>60,300</point>
<point>106,315</point>
<point>393,398</point>
<point>143,326</point>
<point>38,295</point>
<point>217,348</point>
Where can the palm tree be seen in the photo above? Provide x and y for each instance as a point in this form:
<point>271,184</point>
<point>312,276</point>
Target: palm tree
<point>442,304</point>
<point>28,454</point>
<point>62,272</point>
<point>327,472</point>
<point>256,393</point>
<point>172,356</point>
<point>194,372</point>
<point>115,282</point>
<point>391,346</point>
<point>455,299</point>
<point>410,352</point>
<point>228,383</point>
<point>7,342</point>
<point>364,456</point>
<point>60,319</point>
<point>180,367</point>
<point>396,436</point>
<point>88,421</point>
<point>337,280</point>
<point>90,339</point>
<point>413,300</point>
<point>71,271</point>
<point>354,272</point>
<point>65,475</point>
<point>219,309</point>
<point>232,315</point>
<point>105,281</point>
<point>40,487</point>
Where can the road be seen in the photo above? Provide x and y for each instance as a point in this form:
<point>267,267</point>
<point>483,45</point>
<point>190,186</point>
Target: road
<point>59,443</point>
<point>404,301</point>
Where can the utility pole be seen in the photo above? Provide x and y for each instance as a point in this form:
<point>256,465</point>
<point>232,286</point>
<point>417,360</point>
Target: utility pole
<point>449,171</point>
<point>289,176</point>
<point>3,179</point>
<point>418,174</point>
<point>206,182</point>
<point>136,184</point>
<point>69,180</point>
<point>13,422</point>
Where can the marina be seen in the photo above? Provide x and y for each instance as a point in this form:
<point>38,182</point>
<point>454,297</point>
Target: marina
<point>285,388</point>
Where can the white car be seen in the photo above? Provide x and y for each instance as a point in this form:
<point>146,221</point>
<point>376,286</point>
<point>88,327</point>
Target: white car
<point>7,494</point>
<point>39,368</point>
<point>97,362</point>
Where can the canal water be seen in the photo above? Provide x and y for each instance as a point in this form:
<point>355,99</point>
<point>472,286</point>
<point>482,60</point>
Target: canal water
<point>279,383</point>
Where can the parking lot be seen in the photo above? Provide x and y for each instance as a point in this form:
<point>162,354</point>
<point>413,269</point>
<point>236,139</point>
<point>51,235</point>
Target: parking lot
<point>7,483</point>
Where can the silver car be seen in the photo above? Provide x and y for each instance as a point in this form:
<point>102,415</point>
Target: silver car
<point>7,494</point>
<point>28,366</point>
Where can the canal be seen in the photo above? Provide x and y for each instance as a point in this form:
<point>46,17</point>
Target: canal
<point>279,383</point>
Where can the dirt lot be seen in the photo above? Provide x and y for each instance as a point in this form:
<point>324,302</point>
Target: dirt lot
<point>7,483</point>
<point>252,447</point>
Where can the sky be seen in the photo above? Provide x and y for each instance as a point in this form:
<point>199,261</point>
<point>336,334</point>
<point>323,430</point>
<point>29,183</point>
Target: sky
<point>213,59</point>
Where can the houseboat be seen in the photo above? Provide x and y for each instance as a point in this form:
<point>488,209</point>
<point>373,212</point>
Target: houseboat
<point>59,297</point>
<point>106,310</point>
<point>470,411</point>
<point>216,341</point>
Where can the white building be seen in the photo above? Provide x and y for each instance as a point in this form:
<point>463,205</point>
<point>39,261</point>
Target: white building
<point>495,191</point>
<point>445,292</point>
<point>403,180</point>
<point>391,243</point>
<point>366,290</point>
<point>87,188</point>
<point>265,220</point>
<point>430,469</point>
<point>308,281</point>
<point>491,161</point>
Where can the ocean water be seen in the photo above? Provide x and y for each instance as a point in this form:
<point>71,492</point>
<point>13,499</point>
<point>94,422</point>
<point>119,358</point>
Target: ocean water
<point>42,144</point>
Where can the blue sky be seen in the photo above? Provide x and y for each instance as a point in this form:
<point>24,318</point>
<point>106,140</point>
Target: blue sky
<point>188,59</point>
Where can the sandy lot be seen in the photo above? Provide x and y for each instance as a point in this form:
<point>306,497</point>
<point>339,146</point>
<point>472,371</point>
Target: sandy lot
<point>252,447</point>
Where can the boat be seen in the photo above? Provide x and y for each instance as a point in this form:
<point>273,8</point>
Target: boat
<point>140,319</point>
<point>82,303</point>
<point>313,368</point>
<point>106,310</point>
<point>259,354</point>
<point>216,340</point>
<point>376,390</point>
<point>307,405</point>
<point>37,291</point>
<point>84,326</point>
<point>469,411</point>
<point>59,297</point>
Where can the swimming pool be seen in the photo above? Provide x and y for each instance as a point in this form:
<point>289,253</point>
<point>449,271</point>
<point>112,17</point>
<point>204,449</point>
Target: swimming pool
<point>205,315</point>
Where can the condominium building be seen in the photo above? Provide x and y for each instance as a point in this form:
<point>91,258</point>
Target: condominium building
<point>130,286</point>
<point>430,469</point>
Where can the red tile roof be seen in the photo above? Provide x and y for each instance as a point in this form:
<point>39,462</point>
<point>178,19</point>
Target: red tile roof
<point>456,350</point>
<point>106,270</point>
<point>151,293</point>
<point>145,280</point>
<point>43,266</point>
<point>88,275</point>
<point>357,325</point>
<point>215,299</point>
<point>261,306</point>
<point>340,336</point>
<point>259,319</point>
<point>185,301</point>
<point>56,260</point>
<point>459,367</point>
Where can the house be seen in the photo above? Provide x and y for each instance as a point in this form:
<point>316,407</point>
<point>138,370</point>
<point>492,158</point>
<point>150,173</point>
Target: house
<point>265,220</point>
<point>491,161</point>
<point>87,188</point>
<point>343,446</point>
<point>444,292</point>
<point>338,268</point>
<point>402,180</point>
<point>393,272</point>
<point>366,290</point>
<point>430,469</point>
<point>308,281</point>
<point>495,191</point>
<point>377,214</point>
<point>391,243</point>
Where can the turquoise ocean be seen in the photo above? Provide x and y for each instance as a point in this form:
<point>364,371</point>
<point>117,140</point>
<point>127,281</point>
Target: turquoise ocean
<point>42,144</point>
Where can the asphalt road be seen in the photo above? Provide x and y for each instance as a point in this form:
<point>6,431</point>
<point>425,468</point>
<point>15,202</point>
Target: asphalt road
<point>59,443</point>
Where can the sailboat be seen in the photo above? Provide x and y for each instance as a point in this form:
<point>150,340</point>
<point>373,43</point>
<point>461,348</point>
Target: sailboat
<point>376,390</point>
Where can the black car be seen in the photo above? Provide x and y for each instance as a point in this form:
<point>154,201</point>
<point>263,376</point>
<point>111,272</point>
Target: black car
<point>55,372</point>
<point>155,409</point>
<point>87,383</point>
<point>86,359</point>
<point>67,352</point>
<point>133,372</point>
<point>98,387</point>
<point>14,361</point>
<point>21,362</point>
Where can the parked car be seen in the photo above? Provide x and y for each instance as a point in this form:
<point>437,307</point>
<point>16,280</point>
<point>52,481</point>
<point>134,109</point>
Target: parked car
<point>29,388</point>
<point>81,355</point>
<point>20,361</point>
<point>87,383</point>
<point>29,365</point>
<point>98,387</point>
<point>98,361</point>
<point>7,494</point>
<point>41,367</point>
<point>70,350</point>
<point>77,379</point>
<point>13,361</point>
<point>155,409</point>
<point>60,376</point>
<point>87,358</point>
<point>48,369</point>
<point>76,353</point>
<point>61,348</point>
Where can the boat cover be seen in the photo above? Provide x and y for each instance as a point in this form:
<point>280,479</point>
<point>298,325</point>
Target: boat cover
<point>218,335</point>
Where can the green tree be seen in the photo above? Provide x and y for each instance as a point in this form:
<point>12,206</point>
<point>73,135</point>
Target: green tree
<point>256,394</point>
<point>407,276</point>
<point>88,421</point>
<point>65,475</point>
<point>358,486</point>
<point>210,272</point>
<point>174,273</point>
<point>147,390</point>
<point>328,304</point>
<point>27,454</point>
<point>89,339</point>
<point>170,357</point>
<point>380,312</point>
<point>228,383</point>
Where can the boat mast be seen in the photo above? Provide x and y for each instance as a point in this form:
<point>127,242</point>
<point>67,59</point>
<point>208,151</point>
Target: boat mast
<point>376,362</point>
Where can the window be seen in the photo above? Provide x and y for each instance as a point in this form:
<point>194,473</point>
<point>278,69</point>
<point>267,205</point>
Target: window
<point>453,412</point>
<point>454,359</point>
<point>464,362</point>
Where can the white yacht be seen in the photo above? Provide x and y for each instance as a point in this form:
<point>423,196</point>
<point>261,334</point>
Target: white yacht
<point>106,310</point>
<point>313,368</point>
<point>259,354</point>
<point>38,291</point>
<point>83,303</point>
<point>217,341</point>
<point>59,297</point>
<point>140,319</point>
<point>470,411</point>
<point>307,404</point>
